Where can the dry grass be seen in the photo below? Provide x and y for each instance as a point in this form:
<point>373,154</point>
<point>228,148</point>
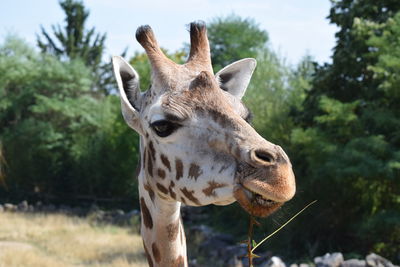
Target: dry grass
<point>59,240</point>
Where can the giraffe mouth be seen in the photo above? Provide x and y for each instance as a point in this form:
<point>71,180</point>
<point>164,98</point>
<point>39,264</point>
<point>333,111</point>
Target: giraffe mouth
<point>261,191</point>
<point>254,203</point>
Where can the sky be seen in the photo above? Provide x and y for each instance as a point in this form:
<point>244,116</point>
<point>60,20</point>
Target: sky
<point>295,28</point>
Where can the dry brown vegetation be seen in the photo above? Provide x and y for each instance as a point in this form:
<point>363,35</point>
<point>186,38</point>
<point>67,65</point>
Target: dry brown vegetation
<point>58,240</point>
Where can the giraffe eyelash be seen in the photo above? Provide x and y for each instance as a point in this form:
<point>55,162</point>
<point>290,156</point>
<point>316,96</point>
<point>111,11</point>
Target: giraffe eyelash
<point>164,128</point>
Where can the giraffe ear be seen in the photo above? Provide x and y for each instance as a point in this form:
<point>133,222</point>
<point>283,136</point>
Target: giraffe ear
<point>129,91</point>
<point>235,77</point>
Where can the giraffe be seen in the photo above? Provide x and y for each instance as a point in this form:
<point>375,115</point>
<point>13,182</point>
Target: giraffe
<point>196,144</point>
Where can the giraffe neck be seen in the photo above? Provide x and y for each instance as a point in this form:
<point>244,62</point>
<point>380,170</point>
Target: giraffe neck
<point>161,227</point>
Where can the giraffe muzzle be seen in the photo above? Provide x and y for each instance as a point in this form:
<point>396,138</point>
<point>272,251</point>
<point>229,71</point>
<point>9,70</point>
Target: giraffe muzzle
<point>265,184</point>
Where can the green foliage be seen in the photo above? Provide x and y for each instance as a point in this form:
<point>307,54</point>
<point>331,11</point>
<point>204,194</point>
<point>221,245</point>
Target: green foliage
<point>346,140</point>
<point>233,38</point>
<point>58,140</point>
<point>267,97</point>
<point>339,123</point>
<point>74,41</point>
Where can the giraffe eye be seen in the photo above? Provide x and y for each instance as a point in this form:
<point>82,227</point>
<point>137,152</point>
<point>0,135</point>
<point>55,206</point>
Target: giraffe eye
<point>163,128</point>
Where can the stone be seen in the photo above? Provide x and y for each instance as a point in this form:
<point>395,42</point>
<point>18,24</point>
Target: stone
<point>299,265</point>
<point>353,263</point>
<point>10,207</point>
<point>31,208</point>
<point>275,262</point>
<point>233,252</point>
<point>374,260</point>
<point>50,208</point>
<point>329,260</point>
<point>23,206</point>
<point>234,262</point>
<point>1,208</point>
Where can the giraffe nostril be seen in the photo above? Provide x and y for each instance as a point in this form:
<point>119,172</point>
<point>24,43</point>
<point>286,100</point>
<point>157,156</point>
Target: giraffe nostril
<point>263,156</point>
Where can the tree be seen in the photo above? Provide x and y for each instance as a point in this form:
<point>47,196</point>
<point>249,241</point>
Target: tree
<point>233,38</point>
<point>58,139</point>
<point>347,135</point>
<point>74,41</point>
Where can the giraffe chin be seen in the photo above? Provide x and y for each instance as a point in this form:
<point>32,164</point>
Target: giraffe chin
<point>254,203</point>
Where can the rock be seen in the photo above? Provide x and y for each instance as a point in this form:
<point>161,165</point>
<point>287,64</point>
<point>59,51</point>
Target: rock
<point>193,263</point>
<point>1,208</point>
<point>218,248</point>
<point>50,208</point>
<point>94,208</point>
<point>299,265</point>
<point>201,231</point>
<point>329,260</point>
<point>10,207</point>
<point>125,219</point>
<point>275,262</point>
<point>374,260</point>
<point>23,206</point>
<point>233,252</point>
<point>353,263</point>
<point>234,262</point>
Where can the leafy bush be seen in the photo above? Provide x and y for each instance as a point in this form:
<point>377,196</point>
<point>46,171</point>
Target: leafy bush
<point>58,139</point>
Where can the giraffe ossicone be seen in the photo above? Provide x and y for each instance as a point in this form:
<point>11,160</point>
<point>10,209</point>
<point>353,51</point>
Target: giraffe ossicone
<point>197,146</point>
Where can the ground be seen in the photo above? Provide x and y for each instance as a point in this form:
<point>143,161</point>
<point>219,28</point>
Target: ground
<point>56,240</point>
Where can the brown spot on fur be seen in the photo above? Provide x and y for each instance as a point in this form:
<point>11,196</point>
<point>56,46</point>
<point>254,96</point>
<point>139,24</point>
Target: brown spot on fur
<point>183,201</point>
<point>152,150</point>
<point>173,230</point>
<point>209,191</point>
<point>179,169</point>
<point>149,260</point>
<point>222,119</point>
<point>150,190</point>
<point>165,161</point>
<point>161,173</point>
<point>171,190</point>
<point>194,171</point>
<point>189,195</point>
<point>146,216</point>
<point>178,262</point>
<point>149,164</point>
<point>160,195</point>
<point>162,188</point>
<point>156,253</point>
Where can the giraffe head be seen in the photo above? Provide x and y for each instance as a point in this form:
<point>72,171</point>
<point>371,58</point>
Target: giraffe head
<point>196,142</point>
